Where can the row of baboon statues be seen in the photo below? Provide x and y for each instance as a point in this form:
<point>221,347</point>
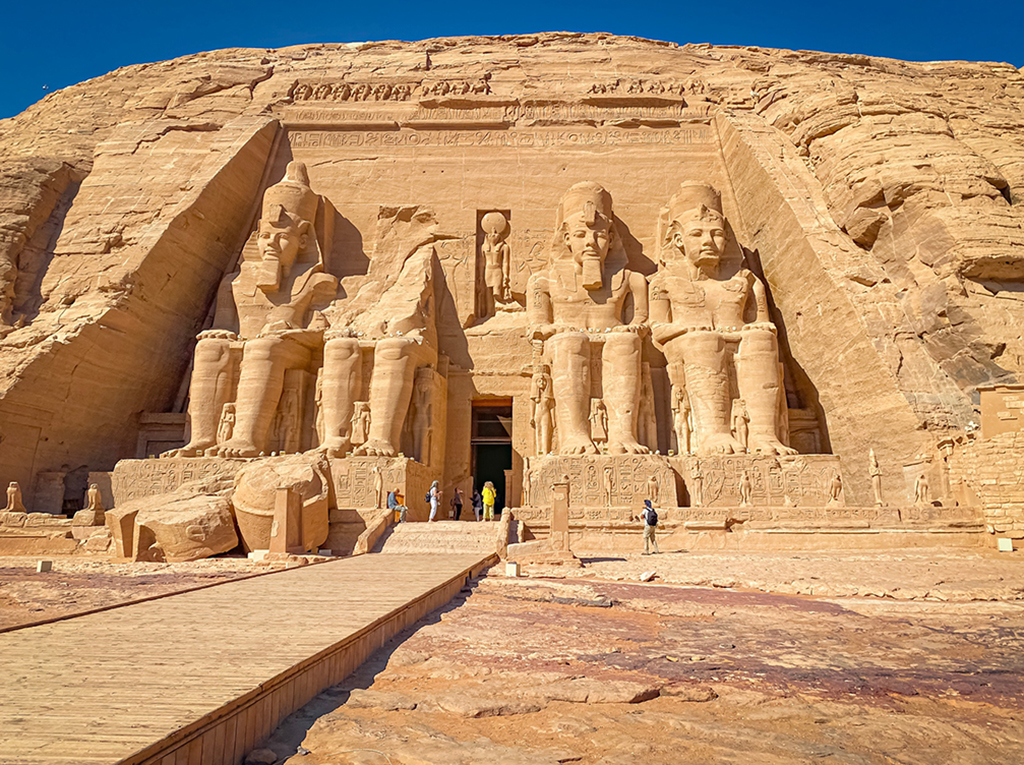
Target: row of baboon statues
<point>703,308</point>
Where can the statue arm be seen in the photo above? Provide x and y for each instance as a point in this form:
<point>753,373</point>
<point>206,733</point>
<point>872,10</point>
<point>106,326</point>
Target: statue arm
<point>760,300</point>
<point>538,305</point>
<point>225,315</point>
<point>641,308</point>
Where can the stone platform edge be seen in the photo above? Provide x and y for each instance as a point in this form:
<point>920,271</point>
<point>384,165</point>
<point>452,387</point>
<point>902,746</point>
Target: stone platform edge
<point>225,736</point>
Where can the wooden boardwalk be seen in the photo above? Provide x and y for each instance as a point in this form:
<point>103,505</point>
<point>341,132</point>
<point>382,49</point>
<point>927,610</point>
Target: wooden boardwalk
<point>202,677</point>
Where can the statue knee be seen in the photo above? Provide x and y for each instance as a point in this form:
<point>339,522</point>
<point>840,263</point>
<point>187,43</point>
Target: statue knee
<point>758,341</point>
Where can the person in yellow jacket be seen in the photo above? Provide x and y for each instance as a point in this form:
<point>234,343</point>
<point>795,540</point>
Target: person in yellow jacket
<point>489,495</point>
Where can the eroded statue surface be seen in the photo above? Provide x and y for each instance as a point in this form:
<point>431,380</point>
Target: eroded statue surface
<point>709,314</point>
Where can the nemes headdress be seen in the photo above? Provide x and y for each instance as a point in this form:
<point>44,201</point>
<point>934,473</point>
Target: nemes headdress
<point>693,195</point>
<point>291,200</point>
<point>588,198</point>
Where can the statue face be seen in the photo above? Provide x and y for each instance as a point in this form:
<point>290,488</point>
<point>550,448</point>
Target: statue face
<point>588,241</point>
<point>280,243</point>
<point>701,239</point>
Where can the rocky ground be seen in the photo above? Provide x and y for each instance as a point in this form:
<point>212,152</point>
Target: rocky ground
<point>75,585</point>
<point>766,658</point>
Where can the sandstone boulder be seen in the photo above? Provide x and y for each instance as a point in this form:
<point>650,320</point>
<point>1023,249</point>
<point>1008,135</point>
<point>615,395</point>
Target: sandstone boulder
<point>255,497</point>
<point>186,528</point>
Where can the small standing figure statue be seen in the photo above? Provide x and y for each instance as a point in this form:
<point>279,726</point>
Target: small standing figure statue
<point>608,483</point>
<point>681,419</point>
<point>378,486</point>
<point>226,427</point>
<point>360,422</point>
<point>497,262</point>
<point>921,490</point>
<point>876,477</point>
<point>696,484</point>
<point>287,422</point>
<point>318,404</point>
<point>599,422</point>
<point>654,489</point>
<point>740,423</point>
<point>95,499</point>
<point>14,503</point>
<point>527,482</point>
<point>835,489</point>
<point>746,489</point>
<point>543,408</point>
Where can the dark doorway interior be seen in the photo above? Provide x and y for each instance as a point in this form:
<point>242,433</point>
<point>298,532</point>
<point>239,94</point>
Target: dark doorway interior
<point>492,445</point>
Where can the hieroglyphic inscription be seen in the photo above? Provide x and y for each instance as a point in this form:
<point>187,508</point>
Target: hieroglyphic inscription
<point>354,482</point>
<point>541,138</point>
<point>597,495</point>
<point>800,480</point>
<point>135,479</point>
<point>549,113</point>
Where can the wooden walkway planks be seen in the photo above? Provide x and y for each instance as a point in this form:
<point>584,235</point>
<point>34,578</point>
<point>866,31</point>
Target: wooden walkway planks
<point>203,676</point>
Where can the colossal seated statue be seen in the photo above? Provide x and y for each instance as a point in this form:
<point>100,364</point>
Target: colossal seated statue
<point>709,314</point>
<point>395,315</point>
<point>266,322</point>
<point>586,298</point>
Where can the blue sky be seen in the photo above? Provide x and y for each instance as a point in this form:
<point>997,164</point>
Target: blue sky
<point>58,43</point>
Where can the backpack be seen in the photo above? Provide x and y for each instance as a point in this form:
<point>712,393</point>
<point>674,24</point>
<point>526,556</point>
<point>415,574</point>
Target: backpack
<point>652,517</point>
<point>427,498</point>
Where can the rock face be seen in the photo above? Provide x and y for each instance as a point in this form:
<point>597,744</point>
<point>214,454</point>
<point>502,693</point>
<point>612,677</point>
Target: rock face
<point>870,209</point>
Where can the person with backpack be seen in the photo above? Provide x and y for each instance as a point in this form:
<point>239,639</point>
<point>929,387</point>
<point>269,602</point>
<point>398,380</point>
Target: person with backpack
<point>478,504</point>
<point>434,498</point>
<point>650,519</point>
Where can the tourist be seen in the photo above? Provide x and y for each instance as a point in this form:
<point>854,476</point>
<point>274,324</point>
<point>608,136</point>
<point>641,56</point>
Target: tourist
<point>457,503</point>
<point>488,498</point>
<point>478,504</point>
<point>650,518</point>
<point>434,497</point>
<point>396,504</point>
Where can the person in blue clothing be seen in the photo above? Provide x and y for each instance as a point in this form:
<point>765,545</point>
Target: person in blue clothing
<point>650,519</point>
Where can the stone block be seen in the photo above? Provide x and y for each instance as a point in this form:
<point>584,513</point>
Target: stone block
<point>1004,544</point>
<point>184,528</point>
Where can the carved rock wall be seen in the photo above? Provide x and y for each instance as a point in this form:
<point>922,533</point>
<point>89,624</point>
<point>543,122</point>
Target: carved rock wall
<point>129,283</point>
<point>883,199</point>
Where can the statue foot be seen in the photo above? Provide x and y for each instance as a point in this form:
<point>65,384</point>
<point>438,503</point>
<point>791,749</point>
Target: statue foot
<point>237,448</point>
<point>721,443</point>
<point>189,450</point>
<point>627,447</point>
<point>579,446</point>
<point>770,446</point>
<point>336,447</point>
<point>375,447</point>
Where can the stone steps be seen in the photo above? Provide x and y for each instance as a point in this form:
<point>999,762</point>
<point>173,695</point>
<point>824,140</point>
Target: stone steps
<point>441,537</point>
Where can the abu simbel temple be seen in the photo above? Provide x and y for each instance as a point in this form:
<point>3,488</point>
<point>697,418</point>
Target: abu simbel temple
<point>245,295</point>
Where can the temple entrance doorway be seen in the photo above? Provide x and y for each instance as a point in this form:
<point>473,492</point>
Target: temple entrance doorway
<point>492,445</point>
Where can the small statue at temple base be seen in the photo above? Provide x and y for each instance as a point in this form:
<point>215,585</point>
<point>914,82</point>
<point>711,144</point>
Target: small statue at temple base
<point>14,503</point>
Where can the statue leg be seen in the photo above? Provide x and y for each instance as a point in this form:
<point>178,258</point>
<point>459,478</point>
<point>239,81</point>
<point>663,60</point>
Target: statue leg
<point>394,365</point>
<point>213,372</point>
<point>620,362</point>
<point>704,357</point>
<point>264,361</point>
<point>570,383</point>
<point>343,376</point>
<point>757,373</point>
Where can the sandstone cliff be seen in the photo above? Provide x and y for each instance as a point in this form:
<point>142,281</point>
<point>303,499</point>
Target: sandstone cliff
<point>881,197</point>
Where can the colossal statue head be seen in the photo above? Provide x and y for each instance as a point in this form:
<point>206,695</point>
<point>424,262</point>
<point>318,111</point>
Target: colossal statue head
<point>586,225</point>
<point>289,209</point>
<point>696,224</point>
